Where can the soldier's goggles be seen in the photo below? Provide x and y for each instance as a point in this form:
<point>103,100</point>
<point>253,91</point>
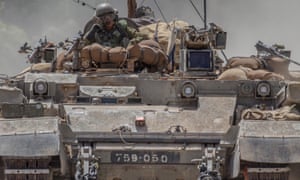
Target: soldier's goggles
<point>107,17</point>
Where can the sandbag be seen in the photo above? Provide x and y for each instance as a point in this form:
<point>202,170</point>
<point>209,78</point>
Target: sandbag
<point>283,113</point>
<point>85,57</point>
<point>134,51</point>
<point>249,62</point>
<point>117,55</point>
<point>150,55</point>
<point>150,43</point>
<point>262,74</point>
<point>39,67</point>
<point>243,73</point>
<point>99,53</point>
<point>61,59</point>
<point>163,34</point>
<point>233,74</point>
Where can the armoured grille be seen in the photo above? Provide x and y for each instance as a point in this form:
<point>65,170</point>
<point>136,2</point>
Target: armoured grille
<point>268,173</point>
<point>26,169</point>
<point>268,176</point>
<point>27,177</point>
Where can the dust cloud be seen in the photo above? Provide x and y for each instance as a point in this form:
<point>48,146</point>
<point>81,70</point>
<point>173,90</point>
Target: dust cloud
<point>246,22</point>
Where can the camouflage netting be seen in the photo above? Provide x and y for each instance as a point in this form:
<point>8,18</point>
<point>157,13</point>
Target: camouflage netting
<point>163,34</point>
<point>254,68</point>
<point>283,113</point>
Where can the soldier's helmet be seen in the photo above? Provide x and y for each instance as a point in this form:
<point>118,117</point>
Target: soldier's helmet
<point>144,11</point>
<point>104,9</point>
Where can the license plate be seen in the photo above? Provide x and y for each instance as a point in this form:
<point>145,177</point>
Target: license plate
<point>144,157</point>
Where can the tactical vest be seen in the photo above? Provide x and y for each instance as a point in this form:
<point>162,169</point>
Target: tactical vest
<point>116,37</point>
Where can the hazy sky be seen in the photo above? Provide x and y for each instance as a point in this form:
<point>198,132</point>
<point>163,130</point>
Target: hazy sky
<point>246,22</point>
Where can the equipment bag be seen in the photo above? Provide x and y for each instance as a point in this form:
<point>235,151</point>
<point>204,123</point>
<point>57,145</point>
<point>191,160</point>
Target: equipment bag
<point>149,55</point>
<point>117,55</point>
<point>99,53</point>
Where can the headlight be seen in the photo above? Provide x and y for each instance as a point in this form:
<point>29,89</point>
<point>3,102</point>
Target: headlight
<point>246,89</point>
<point>263,89</point>
<point>188,90</point>
<point>40,87</point>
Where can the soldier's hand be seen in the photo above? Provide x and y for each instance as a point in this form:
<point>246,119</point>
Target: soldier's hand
<point>90,35</point>
<point>95,27</point>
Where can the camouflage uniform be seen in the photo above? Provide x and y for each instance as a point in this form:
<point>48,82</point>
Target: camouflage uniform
<point>121,35</point>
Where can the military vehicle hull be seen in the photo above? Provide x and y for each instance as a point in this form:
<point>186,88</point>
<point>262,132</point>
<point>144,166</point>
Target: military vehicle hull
<point>95,114</point>
<point>142,127</point>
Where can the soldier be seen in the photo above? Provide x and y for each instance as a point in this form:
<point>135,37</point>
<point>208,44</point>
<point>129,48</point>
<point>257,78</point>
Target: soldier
<point>109,30</point>
<point>110,41</point>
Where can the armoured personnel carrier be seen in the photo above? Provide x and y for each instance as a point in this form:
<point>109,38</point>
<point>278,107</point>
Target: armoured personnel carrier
<point>136,123</point>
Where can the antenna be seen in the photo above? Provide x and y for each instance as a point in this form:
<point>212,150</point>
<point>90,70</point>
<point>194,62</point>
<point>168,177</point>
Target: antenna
<point>198,12</point>
<point>162,14</point>
<point>205,17</point>
<point>83,3</point>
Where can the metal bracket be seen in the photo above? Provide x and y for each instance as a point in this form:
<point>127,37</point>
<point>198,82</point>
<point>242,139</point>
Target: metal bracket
<point>209,163</point>
<point>87,164</point>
